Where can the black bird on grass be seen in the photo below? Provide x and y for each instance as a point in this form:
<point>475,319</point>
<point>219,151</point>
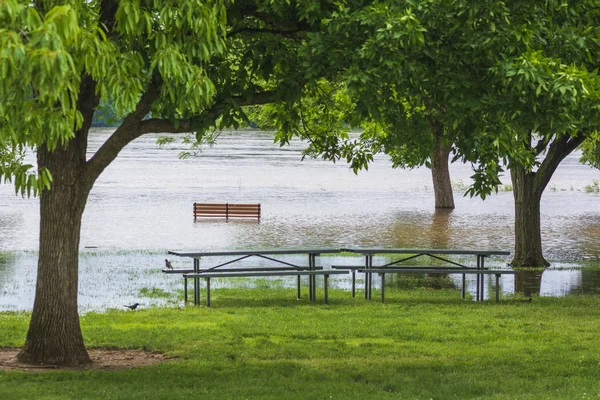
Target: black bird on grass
<point>168,264</point>
<point>133,306</point>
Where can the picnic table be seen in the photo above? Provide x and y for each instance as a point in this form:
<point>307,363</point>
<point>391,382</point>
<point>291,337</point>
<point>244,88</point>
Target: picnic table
<point>278,267</point>
<point>399,266</point>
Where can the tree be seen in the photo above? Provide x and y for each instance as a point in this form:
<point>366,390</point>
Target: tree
<point>548,89</point>
<point>166,66</point>
<point>516,85</point>
<point>58,60</point>
<point>405,68</point>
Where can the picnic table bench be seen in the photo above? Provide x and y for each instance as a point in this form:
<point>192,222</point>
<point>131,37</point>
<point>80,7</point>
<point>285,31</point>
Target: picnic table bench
<point>264,273</point>
<point>189,273</point>
<point>399,266</point>
<point>278,267</point>
<point>226,210</point>
<point>282,267</point>
<point>421,270</point>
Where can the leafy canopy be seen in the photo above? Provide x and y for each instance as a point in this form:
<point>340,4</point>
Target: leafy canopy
<point>504,79</point>
<point>48,48</point>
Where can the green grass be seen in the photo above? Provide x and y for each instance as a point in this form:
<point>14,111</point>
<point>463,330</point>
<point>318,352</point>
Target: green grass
<point>264,344</point>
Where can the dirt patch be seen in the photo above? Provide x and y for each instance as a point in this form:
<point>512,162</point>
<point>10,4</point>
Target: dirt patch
<point>102,359</point>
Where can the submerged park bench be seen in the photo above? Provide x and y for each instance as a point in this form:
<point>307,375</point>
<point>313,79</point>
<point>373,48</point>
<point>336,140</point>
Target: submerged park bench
<point>226,210</point>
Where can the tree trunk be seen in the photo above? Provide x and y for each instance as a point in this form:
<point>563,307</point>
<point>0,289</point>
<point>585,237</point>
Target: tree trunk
<point>54,335</point>
<point>528,236</point>
<point>442,186</point>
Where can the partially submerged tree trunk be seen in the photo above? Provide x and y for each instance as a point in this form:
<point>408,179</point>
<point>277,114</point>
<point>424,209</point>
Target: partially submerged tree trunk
<point>528,235</point>
<point>528,188</point>
<point>442,185</point>
<point>54,335</point>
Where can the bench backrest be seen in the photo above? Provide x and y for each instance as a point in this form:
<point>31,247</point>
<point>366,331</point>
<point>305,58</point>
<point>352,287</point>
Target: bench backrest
<point>226,210</point>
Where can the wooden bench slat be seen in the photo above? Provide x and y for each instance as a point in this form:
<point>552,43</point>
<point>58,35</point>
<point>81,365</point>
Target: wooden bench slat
<point>224,207</point>
<point>230,204</point>
<point>230,213</point>
<point>226,210</point>
<point>231,209</point>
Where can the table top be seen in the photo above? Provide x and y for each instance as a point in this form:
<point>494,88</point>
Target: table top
<point>314,251</point>
<point>371,251</point>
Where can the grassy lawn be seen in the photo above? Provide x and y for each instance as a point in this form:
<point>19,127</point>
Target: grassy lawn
<point>262,343</point>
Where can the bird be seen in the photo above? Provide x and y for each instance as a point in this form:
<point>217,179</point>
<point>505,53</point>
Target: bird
<point>168,264</point>
<point>133,306</point>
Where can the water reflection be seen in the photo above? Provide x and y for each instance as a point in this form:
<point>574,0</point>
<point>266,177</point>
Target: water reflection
<point>528,283</point>
<point>588,284</point>
<point>552,282</point>
<point>439,231</point>
<point>7,269</point>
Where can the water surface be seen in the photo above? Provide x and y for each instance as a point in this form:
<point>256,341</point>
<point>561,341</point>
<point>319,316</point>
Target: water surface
<point>141,207</point>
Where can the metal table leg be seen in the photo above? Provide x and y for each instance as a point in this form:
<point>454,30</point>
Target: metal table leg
<point>366,278</point>
<point>497,288</point>
<point>207,292</point>
<point>370,258</point>
<point>196,282</point>
<point>185,296</point>
<point>481,295</point>
<point>325,282</point>
<point>382,287</point>
<point>312,279</point>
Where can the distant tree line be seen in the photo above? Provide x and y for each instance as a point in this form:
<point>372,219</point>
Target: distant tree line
<point>106,115</point>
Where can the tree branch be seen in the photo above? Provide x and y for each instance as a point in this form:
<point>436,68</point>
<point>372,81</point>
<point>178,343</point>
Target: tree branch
<point>88,99</point>
<point>129,130</point>
<point>133,126</point>
<point>160,125</point>
<point>108,12</point>
<point>542,144</point>
<point>281,32</point>
<point>87,102</point>
<point>560,148</point>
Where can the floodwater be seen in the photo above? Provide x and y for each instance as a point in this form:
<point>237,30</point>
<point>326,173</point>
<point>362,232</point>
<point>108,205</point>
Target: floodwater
<point>141,207</point>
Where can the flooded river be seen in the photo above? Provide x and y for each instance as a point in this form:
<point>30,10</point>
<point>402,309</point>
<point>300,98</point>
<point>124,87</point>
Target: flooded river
<point>142,206</point>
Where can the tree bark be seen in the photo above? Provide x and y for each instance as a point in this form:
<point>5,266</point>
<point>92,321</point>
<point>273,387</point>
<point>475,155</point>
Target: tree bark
<point>440,173</point>
<point>528,188</point>
<point>54,335</point>
<point>528,235</point>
